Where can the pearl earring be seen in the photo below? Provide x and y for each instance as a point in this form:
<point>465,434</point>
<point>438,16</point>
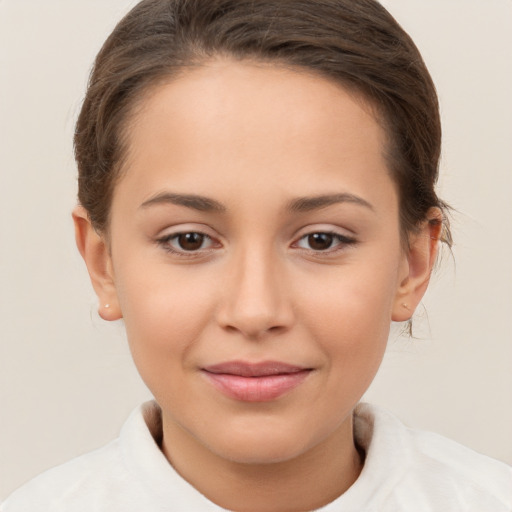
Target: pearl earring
<point>107,306</point>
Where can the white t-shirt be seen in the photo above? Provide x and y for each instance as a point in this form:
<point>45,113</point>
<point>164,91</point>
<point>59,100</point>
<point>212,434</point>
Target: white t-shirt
<point>404,470</point>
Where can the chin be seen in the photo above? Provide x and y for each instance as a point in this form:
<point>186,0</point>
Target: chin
<point>266,445</point>
<point>260,453</point>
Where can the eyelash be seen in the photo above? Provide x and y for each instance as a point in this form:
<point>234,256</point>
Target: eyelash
<point>341,243</point>
<point>165,243</point>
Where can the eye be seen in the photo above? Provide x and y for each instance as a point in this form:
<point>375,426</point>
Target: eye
<point>186,242</point>
<point>323,241</point>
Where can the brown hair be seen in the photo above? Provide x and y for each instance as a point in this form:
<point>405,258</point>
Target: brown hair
<point>356,43</point>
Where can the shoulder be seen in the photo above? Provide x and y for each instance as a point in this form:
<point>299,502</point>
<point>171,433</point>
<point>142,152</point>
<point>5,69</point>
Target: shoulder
<point>88,482</point>
<point>458,471</point>
<point>131,474</point>
<point>432,468</point>
<point>69,484</point>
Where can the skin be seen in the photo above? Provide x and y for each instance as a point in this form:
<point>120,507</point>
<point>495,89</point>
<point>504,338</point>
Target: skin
<point>256,140</point>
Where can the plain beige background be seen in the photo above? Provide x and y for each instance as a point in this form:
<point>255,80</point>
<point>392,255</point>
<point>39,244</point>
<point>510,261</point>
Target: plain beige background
<point>67,381</point>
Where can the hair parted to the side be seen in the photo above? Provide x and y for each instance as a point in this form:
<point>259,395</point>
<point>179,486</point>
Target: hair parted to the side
<point>355,43</point>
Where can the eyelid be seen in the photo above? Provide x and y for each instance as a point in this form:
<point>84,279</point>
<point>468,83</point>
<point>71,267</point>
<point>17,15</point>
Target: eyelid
<point>167,235</point>
<point>344,239</point>
<point>325,228</point>
<point>187,227</point>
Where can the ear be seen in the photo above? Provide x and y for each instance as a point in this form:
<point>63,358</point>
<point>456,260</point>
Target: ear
<point>95,251</point>
<point>419,261</point>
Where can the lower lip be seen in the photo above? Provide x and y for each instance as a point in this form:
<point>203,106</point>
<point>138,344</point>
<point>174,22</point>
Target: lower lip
<point>256,389</point>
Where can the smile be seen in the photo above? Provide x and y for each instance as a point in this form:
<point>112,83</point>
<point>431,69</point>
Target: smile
<point>260,382</point>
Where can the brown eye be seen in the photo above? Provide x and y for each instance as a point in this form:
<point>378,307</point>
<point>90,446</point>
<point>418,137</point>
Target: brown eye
<point>190,241</point>
<point>325,241</point>
<point>320,241</point>
<point>187,243</point>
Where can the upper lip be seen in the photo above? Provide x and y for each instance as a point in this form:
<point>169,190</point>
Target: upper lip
<point>261,369</point>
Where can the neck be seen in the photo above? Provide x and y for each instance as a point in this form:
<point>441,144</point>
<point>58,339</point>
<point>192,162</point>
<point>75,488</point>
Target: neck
<point>306,482</point>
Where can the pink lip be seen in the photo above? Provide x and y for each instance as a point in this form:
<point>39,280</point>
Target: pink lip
<point>255,382</point>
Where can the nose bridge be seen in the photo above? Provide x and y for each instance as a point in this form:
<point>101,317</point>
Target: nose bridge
<point>255,299</point>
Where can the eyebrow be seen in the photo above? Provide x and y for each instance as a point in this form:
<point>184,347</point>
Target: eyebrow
<point>306,204</point>
<point>206,204</point>
<point>195,202</point>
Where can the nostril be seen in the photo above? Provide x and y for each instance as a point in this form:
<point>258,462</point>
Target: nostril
<point>276,328</point>
<point>254,332</point>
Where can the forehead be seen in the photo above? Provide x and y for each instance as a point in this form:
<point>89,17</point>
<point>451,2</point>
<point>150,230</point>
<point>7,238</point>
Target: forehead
<point>255,94</point>
<point>227,122</point>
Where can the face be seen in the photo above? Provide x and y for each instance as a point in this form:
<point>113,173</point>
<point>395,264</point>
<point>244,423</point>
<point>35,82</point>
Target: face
<point>255,257</point>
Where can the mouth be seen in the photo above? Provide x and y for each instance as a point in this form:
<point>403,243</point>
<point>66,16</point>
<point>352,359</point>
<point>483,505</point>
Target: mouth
<point>255,382</point>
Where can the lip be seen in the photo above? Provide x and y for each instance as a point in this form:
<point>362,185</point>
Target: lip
<point>255,382</point>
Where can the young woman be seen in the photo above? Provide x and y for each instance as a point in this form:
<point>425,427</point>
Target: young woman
<point>257,203</point>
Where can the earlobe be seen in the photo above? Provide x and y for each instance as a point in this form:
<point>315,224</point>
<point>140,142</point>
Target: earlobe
<point>95,252</point>
<point>418,264</point>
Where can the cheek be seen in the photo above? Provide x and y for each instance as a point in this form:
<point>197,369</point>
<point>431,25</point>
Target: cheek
<point>359,300</point>
<point>164,309</point>
<point>350,316</point>
<point>164,319</point>
<point>352,335</point>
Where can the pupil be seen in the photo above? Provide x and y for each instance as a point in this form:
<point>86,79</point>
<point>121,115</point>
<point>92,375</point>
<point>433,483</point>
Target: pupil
<point>320,241</point>
<point>191,241</point>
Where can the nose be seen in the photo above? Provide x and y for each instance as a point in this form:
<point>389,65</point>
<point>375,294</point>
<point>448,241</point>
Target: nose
<point>255,296</point>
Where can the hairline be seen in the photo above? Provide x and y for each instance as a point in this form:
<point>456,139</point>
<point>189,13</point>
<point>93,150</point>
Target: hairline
<point>147,90</point>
